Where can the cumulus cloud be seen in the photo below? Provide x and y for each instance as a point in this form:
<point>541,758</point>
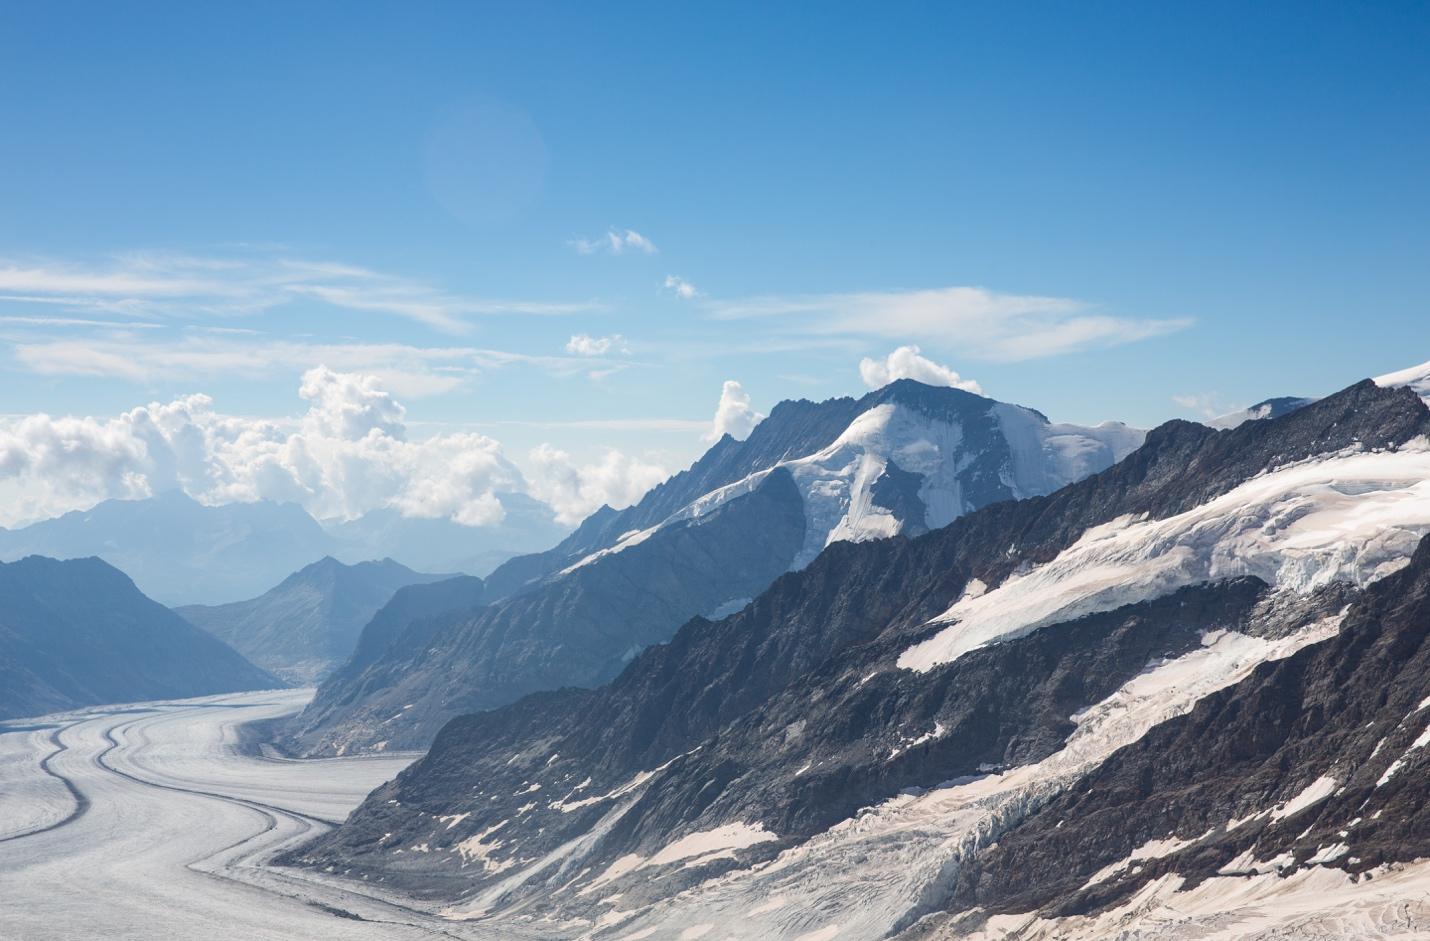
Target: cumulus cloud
<point>733,414</point>
<point>168,285</point>
<point>907,362</point>
<point>574,490</point>
<point>350,452</point>
<point>681,287</point>
<point>615,242</point>
<point>983,323</point>
<point>583,344</point>
<point>350,406</point>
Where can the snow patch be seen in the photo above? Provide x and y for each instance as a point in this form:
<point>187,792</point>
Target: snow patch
<point>1152,849</point>
<point>723,840</point>
<point>938,731</point>
<point>1315,792</point>
<point>1420,742</point>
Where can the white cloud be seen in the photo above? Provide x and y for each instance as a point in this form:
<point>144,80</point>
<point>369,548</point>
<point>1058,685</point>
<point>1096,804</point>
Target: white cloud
<point>681,287</point>
<point>348,453</point>
<point>158,285</point>
<point>575,490</point>
<point>615,242</point>
<point>907,362</point>
<point>978,322</point>
<point>733,414</point>
<point>583,344</point>
<point>350,406</point>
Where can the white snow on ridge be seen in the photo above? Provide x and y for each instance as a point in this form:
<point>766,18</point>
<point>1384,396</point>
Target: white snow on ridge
<point>837,482</point>
<point>1243,415</point>
<point>1049,456</point>
<point>1355,516</point>
<point>1416,377</point>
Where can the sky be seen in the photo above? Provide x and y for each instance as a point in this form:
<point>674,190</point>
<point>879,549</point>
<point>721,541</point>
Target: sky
<point>355,254</point>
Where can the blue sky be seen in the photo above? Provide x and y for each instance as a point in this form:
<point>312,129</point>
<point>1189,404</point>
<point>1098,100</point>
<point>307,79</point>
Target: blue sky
<point>1162,208</point>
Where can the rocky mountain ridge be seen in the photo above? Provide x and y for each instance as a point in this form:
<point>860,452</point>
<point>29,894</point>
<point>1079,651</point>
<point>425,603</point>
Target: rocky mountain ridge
<point>79,633</point>
<point>309,623</point>
<point>908,702</point>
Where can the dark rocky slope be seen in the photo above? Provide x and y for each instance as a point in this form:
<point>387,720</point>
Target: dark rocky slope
<point>789,715</point>
<point>1347,710</point>
<point>78,633</point>
<point>577,630</point>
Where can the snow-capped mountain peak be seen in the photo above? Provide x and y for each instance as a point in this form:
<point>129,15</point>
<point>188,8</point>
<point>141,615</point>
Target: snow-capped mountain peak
<point>916,457</point>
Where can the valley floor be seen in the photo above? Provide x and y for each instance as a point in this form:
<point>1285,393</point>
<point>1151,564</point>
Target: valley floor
<point>148,821</point>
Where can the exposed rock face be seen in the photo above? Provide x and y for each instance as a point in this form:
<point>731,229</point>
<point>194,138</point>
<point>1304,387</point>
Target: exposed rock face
<point>412,611</point>
<point>1324,749</point>
<point>78,633</point>
<point>309,623</point>
<point>1178,642</point>
<point>903,459</point>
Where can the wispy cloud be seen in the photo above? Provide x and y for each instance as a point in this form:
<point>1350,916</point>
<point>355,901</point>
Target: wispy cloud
<point>166,286</point>
<point>408,370</point>
<point>78,322</point>
<point>975,321</point>
<point>680,287</point>
<point>615,242</point>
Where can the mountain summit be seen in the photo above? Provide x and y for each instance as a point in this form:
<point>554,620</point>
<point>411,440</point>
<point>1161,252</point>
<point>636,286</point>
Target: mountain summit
<point>309,623</point>
<point>79,633</point>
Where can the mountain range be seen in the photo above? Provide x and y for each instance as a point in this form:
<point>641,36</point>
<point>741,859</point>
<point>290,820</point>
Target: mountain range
<point>182,552</point>
<point>906,458</point>
<point>1183,695</point>
<point>79,633</point>
<point>309,623</point>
